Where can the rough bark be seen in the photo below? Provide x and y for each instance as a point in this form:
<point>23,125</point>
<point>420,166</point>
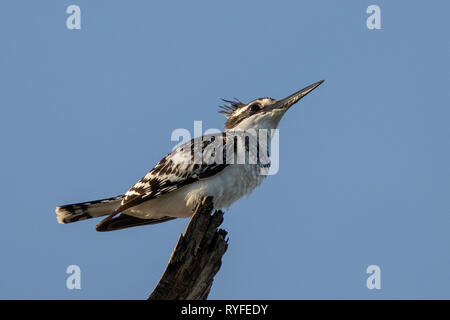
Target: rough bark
<point>196,259</point>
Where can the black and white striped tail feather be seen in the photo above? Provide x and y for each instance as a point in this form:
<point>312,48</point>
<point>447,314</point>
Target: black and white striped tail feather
<point>87,210</point>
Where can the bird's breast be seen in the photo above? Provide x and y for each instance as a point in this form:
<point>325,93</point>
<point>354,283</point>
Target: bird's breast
<point>227,186</point>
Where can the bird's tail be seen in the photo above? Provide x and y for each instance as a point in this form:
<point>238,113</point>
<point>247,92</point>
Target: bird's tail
<point>86,210</point>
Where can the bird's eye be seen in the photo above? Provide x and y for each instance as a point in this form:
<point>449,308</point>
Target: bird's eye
<point>255,107</point>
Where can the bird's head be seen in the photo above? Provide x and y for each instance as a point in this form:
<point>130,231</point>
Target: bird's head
<point>262,113</point>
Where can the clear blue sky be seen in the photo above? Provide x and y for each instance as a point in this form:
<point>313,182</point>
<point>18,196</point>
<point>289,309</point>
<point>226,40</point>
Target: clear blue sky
<point>364,161</point>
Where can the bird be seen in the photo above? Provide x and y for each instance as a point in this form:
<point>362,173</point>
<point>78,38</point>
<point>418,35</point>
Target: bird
<point>204,166</point>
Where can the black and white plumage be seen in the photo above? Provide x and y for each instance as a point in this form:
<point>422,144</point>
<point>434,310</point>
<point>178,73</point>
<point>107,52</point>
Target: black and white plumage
<point>204,166</point>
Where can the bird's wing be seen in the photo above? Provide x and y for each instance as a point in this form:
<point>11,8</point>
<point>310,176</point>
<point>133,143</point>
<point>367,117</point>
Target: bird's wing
<point>200,158</point>
<point>197,159</point>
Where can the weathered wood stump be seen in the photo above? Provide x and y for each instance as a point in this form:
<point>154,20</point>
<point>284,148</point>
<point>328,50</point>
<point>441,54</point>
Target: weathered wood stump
<point>196,259</point>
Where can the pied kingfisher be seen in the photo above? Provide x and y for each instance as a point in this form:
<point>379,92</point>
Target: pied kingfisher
<point>173,187</point>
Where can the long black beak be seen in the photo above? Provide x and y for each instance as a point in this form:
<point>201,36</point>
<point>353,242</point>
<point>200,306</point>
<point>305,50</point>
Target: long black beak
<point>286,103</point>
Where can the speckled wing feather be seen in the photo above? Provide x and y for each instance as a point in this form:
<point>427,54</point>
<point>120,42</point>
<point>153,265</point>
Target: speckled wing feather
<point>190,162</point>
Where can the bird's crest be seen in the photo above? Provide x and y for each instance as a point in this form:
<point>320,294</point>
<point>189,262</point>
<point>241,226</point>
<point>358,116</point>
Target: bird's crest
<point>230,106</point>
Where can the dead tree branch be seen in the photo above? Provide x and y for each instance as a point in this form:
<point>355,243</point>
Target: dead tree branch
<point>196,259</point>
